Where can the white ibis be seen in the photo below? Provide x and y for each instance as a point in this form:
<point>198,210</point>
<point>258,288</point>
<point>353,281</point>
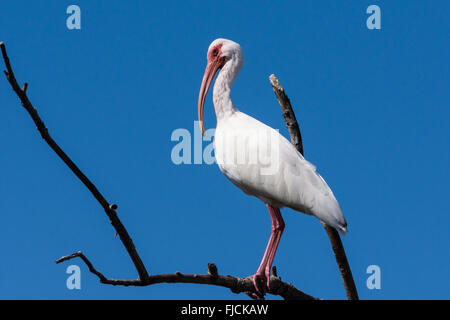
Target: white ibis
<point>283,179</point>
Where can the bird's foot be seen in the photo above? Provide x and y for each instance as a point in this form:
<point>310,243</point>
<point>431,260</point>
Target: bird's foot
<point>260,284</point>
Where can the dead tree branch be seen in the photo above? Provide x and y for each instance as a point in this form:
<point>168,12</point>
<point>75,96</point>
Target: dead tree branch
<point>335,239</point>
<point>236,285</point>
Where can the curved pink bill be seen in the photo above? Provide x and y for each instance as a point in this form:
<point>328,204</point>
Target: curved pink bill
<point>211,69</point>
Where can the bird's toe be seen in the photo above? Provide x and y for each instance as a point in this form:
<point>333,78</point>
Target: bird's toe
<point>259,281</point>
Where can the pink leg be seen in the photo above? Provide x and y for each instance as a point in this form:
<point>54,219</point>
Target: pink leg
<point>263,272</point>
<point>278,230</point>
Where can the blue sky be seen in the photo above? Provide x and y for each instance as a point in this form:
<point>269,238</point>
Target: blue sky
<point>372,105</point>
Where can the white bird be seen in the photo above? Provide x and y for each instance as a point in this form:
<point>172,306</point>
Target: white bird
<point>259,160</point>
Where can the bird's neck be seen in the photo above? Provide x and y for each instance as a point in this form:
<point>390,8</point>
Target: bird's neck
<point>223,105</point>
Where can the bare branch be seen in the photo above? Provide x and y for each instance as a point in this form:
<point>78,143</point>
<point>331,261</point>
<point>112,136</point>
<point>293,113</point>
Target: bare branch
<point>236,285</point>
<point>288,114</point>
<point>335,239</point>
<point>342,262</point>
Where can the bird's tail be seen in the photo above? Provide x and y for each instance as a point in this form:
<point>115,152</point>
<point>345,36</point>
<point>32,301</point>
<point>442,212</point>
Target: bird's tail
<point>342,229</point>
<point>338,222</point>
<point>332,215</point>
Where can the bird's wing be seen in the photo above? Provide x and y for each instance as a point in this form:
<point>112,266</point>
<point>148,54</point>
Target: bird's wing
<point>263,163</point>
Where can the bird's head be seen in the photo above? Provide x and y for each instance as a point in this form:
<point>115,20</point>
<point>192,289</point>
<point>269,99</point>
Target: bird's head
<point>220,53</point>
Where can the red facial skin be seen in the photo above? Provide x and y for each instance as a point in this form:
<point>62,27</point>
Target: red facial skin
<point>215,62</point>
<point>214,52</point>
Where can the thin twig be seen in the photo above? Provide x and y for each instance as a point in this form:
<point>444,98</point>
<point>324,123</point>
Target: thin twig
<point>236,285</point>
<point>296,139</point>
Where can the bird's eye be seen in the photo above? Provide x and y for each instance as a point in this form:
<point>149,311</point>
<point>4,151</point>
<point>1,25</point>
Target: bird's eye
<point>215,52</point>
